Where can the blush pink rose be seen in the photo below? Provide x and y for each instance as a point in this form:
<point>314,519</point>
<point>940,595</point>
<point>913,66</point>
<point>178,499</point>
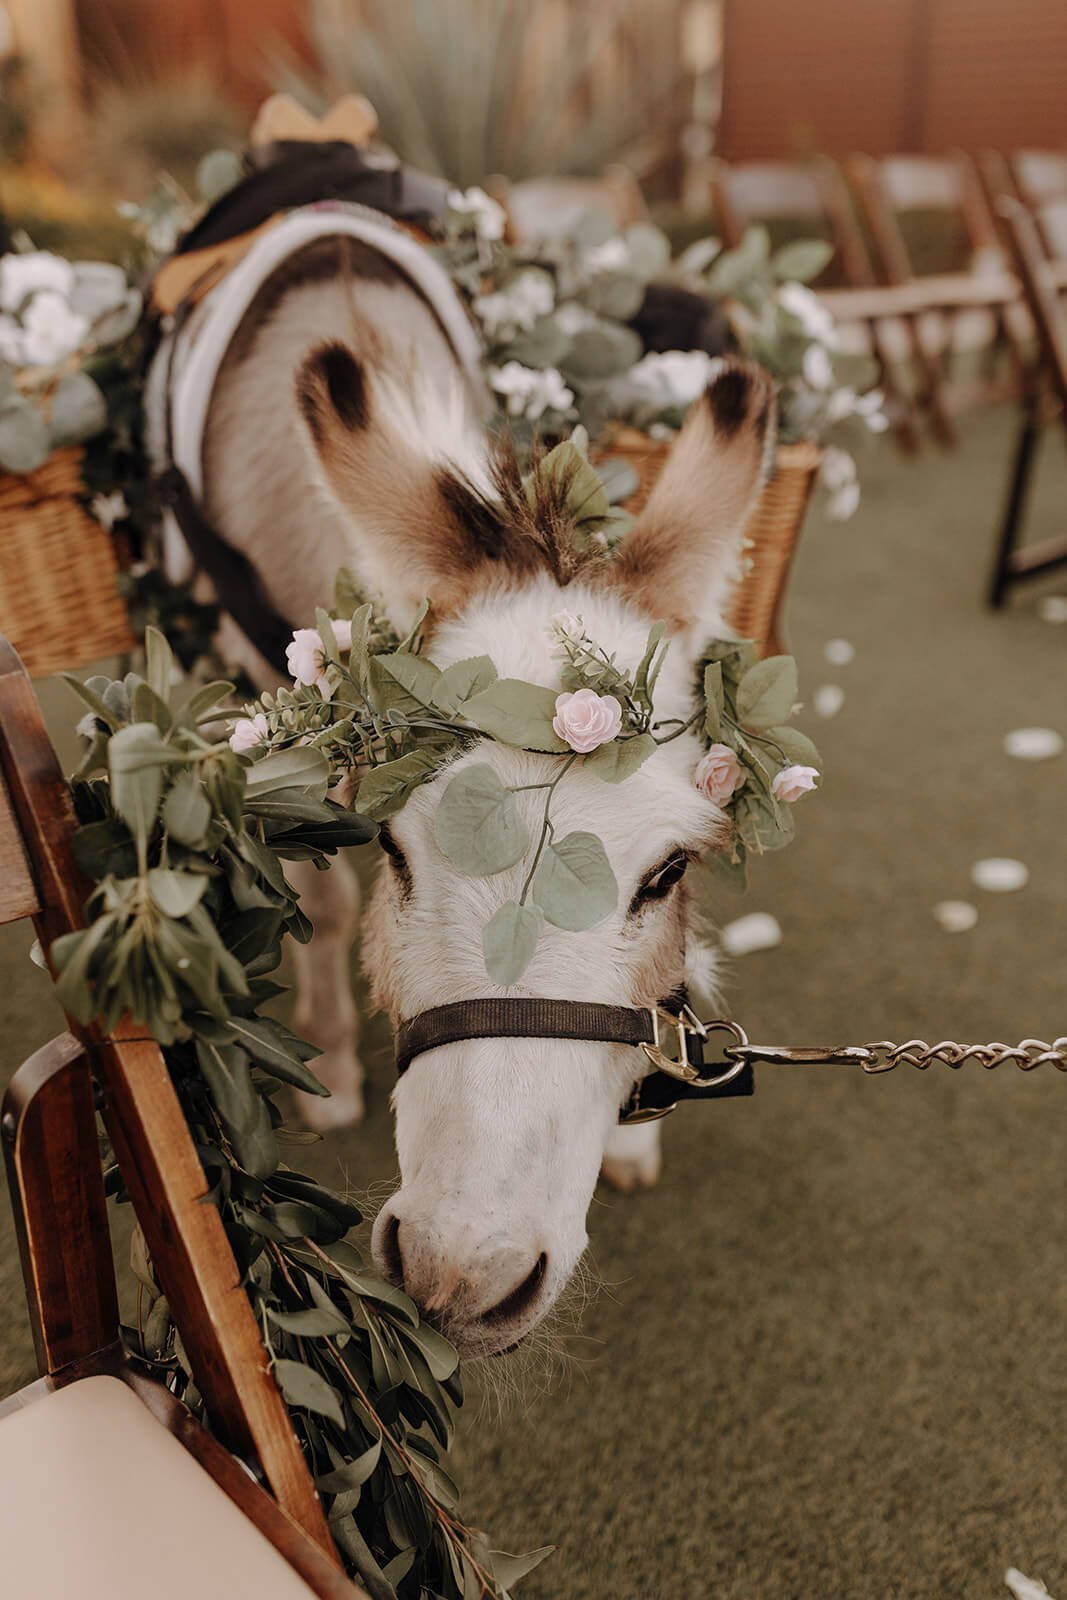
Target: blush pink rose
<point>249,732</point>
<point>792,782</point>
<point>585,720</point>
<point>719,773</point>
<point>306,658</point>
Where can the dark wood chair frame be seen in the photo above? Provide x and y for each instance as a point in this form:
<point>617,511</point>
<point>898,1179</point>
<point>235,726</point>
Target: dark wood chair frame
<point>887,186</point>
<point>744,193</point>
<point>1044,397</point>
<point>49,1134</point>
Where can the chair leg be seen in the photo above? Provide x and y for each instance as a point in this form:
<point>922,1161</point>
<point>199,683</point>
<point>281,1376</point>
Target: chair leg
<point>1029,434</point>
<point>897,403</point>
<point>929,361</point>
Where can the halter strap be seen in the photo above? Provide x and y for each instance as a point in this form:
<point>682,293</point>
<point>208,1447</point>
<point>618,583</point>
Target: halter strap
<point>532,1017</point>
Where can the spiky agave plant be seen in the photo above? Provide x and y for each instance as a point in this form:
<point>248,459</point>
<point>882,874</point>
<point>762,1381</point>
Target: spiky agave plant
<point>485,86</point>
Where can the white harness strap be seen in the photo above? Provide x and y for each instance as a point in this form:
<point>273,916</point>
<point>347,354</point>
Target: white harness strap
<point>183,374</point>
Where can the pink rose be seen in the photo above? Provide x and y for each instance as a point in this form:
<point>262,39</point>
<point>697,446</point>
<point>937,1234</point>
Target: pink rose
<point>792,782</point>
<point>249,732</point>
<point>719,773</point>
<point>306,658</point>
<point>585,719</point>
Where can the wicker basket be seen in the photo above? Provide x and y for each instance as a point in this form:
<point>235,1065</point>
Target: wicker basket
<point>59,603</point>
<point>772,532</point>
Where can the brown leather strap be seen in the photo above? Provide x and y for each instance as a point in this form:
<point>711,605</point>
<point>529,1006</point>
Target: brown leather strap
<point>520,1018</point>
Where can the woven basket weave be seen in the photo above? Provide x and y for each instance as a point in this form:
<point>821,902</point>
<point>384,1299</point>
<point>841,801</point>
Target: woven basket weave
<point>59,603</point>
<point>772,532</point>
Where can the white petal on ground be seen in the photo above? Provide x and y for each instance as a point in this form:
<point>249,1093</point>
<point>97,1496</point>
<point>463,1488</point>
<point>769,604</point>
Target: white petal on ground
<point>1053,608</point>
<point>1024,1588</point>
<point>1000,875</point>
<point>956,916</point>
<point>839,652</point>
<point>758,931</point>
<point>1033,744</point>
<point>828,699</point>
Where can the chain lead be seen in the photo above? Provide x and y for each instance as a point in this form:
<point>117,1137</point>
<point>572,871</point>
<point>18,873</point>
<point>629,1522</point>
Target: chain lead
<point>882,1055</point>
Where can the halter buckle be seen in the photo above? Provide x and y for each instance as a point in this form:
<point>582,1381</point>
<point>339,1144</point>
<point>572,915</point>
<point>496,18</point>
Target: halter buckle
<point>684,1025</point>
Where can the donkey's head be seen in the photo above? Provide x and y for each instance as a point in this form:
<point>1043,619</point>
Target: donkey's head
<point>500,1141</point>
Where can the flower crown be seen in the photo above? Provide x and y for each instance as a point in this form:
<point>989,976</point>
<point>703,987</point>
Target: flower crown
<point>370,701</point>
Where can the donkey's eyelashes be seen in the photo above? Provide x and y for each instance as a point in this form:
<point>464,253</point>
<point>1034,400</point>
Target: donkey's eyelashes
<point>657,884</point>
<point>398,861</point>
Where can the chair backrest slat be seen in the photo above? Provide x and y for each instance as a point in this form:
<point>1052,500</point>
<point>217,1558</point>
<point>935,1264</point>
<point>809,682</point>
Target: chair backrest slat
<point>1040,175</point>
<point>1042,286</point>
<point>750,192</point>
<point>57,1192</point>
<point>144,1119</point>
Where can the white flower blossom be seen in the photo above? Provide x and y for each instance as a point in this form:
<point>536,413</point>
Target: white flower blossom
<point>566,626</point>
<point>515,308</point>
<point>803,304</point>
<point>818,368</point>
<point>109,508</point>
<point>838,473</point>
<point>611,256</point>
<point>51,330</point>
<point>485,215</point>
<point>23,275</point>
<point>10,341</point>
<point>672,377</point>
<point>249,732</point>
<point>571,317</point>
<point>528,392</point>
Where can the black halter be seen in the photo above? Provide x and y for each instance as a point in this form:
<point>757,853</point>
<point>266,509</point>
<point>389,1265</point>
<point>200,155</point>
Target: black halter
<point>681,1076</point>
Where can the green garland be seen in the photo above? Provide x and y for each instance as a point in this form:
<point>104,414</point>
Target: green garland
<point>186,844</point>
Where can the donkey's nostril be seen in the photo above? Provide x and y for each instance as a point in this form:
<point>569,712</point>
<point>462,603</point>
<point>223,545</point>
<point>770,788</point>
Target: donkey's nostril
<point>391,1256</point>
<point>520,1299</point>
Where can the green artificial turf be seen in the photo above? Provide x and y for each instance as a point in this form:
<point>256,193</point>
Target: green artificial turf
<point>828,1360</point>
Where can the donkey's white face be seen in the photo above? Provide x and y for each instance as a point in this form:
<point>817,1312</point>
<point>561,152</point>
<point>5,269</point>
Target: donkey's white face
<point>500,1141</point>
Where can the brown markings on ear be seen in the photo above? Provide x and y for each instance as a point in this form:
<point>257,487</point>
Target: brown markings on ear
<point>680,560</point>
<point>330,385</point>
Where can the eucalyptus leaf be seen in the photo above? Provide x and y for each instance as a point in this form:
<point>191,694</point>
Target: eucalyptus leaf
<point>509,940</point>
<point>298,767</point>
<point>79,410</point>
<point>413,673</point>
<point>460,681</point>
<point>134,756</point>
<point>304,1387</point>
<point>508,1569</point>
<point>477,823</point>
<point>516,713</point>
<point>265,1043</point>
<point>620,758</point>
<point>187,811</point>
<point>383,790</point>
<point>175,893</point>
<point>767,693</point>
<point>159,662</point>
<point>24,438</point>
<point>713,699</point>
<point>353,1474</point>
<point>801,260</point>
<point>796,746</point>
<point>574,883</point>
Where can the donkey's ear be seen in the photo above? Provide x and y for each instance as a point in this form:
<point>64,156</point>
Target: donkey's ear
<point>407,469</point>
<point>680,561</point>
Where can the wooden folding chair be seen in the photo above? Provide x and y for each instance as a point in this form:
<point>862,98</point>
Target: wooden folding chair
<point>888,188</point>
<point>97,1494</point>
<point>1039,247</point>
<point>873,319</point>
<point>1040,176</point>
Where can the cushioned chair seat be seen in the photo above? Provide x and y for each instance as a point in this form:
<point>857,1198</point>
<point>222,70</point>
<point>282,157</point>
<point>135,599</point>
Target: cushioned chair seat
<point>99,1502</point>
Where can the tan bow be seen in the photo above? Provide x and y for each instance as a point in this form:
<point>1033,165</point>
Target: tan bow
<point>351,119</point>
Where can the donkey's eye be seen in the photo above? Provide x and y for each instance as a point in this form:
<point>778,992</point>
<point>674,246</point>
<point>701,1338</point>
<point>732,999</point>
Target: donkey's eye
<point>658,883</point>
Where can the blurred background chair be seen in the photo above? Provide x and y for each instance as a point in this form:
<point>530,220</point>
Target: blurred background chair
<point>972,308</point>
<point>1038,242</point>
<point>145,1489</point>
<point>814,194</point>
